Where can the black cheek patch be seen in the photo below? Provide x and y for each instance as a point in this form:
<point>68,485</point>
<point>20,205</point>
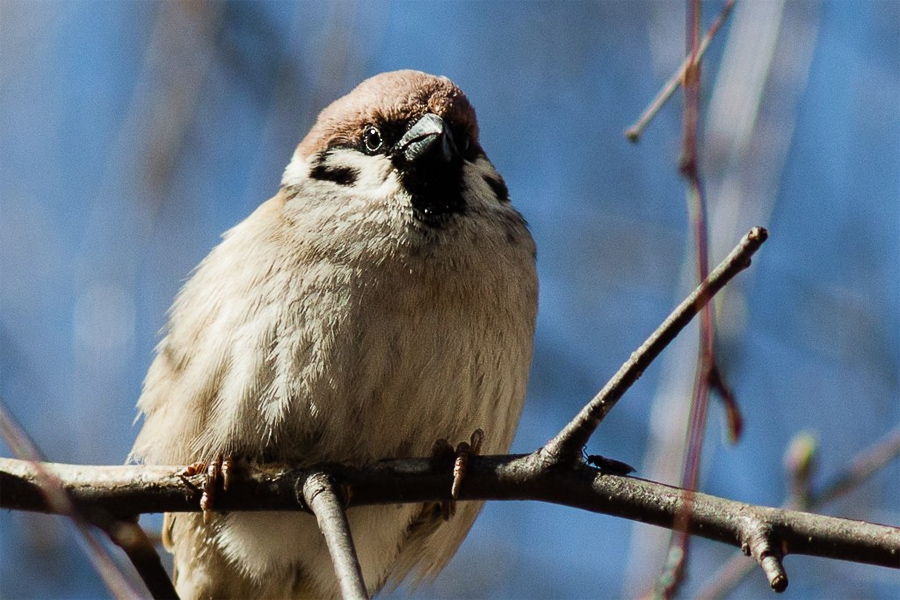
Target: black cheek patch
<point>339,175</point>
<point>496,183</point>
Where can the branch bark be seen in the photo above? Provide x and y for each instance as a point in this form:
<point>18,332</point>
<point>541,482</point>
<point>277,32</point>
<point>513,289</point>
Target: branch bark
<point>321,495</point>
<point>127,490</point>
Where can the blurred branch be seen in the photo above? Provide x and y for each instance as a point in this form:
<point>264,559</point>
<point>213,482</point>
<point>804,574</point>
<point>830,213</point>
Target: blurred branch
<point>669,581</point>
<point>54,494</point>
<point>633,133</point>
<point>134,541</point>
<point>869,462</point>
<point>144,489</point>
<point>708,374</point>
<point>742,150</point>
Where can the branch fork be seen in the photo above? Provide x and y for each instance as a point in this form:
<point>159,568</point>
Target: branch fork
<point>326,500</point>
<point>760,541</point>
<point>566,446</point>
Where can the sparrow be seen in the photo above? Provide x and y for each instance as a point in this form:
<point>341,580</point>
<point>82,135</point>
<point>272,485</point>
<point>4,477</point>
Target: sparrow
<point>383,299</point>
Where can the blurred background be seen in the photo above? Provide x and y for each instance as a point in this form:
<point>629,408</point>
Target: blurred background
<point>132,134</point>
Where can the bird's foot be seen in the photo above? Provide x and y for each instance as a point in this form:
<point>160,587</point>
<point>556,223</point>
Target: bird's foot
<point>219,470</point>
<point>442,450</point>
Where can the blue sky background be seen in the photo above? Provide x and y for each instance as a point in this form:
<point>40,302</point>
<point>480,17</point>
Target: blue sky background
<point>133,133</point>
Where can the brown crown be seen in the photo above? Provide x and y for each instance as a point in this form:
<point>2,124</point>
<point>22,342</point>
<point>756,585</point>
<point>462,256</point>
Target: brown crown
<point>394,97</point>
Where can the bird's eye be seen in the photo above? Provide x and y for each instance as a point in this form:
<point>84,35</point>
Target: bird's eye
<point>372,139</point>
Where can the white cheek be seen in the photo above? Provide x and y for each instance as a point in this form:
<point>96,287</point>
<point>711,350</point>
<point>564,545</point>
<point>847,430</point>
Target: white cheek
<point>375,175</point>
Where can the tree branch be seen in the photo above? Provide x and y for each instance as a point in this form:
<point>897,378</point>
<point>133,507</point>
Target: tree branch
<point>871,460</point>
<point>320,494</point>
<point>147,489</point>
<point>569,442</point>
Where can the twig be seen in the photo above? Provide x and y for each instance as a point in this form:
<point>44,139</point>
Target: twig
<point>633,133</point>
<point>320,494</point>
<point>569,442</point>
<point>867,463</point>
<point>762,543</point>
<point>518,477</point>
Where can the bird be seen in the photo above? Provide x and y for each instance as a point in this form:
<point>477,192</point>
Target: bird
<point>384,298</point>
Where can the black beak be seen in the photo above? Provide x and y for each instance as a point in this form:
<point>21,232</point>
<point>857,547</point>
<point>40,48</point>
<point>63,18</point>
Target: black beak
<point>428,139</point>
<point>431,169</point>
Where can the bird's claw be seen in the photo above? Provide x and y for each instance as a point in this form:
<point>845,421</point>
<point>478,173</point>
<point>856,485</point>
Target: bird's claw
<point>461,454</point>
<point>463,451</point>
<point>220,469</point>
